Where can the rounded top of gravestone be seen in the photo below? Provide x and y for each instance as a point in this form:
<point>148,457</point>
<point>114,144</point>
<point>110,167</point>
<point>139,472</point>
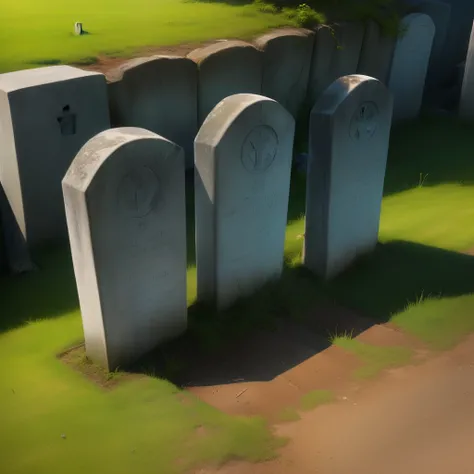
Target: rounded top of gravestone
<point>140,64</point>
<point>226,111</point>
<point>417,20</point>
<point>96,151</point>
<point>202,54</point>
<point>340,89</point>
<point>262,41</point>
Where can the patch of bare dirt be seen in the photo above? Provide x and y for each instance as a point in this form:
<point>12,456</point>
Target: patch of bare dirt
<point>413,420</point>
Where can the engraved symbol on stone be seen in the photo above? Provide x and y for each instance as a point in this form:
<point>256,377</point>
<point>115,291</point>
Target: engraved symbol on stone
<point>138,192</point>
<point>259,149</point>
<point>364,122</point>
<point>67,121</point>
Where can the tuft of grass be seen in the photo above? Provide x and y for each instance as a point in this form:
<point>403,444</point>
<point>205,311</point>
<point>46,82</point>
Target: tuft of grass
<point>440,323</point>
<point>315,398</point>
<point>288,414</point>
<point>375,358</point>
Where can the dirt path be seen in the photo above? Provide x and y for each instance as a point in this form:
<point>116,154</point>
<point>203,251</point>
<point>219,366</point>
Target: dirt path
<point>418,419</point>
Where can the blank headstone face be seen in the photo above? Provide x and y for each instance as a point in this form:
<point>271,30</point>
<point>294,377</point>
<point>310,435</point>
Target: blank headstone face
<point>466,105</point>
<point>125,205</point>
<point>349,137</point>
<point>46,115</point>
<point>336,53</point>
<point>286,66</point>
<point>226,68</point>
<point>243,157</point>
<point>376,53</point>
<point>159,94</point>
<point>410,65</point>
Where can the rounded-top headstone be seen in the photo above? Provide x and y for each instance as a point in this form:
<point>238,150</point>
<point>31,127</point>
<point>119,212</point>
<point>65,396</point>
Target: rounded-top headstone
<point>124,195</point>
<point>349,136</point>
<point>243,154</point>
<point>226,68</point>
<point>78,28</point>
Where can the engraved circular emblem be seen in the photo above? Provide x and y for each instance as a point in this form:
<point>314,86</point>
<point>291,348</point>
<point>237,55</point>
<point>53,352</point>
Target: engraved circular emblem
<point>138,192</point>
<point>259,149</point>
<point>364,122</point>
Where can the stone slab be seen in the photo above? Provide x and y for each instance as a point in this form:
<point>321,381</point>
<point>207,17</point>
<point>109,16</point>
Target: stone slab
<point>466,104</point>
<point>410,65</point>
<point>349,137</point>
<point>336,53</point>
<point>46,115</point>
<point>226,68</point>
<point>286,66</point>
<point>125,205</point>
<point>376,53</point>
<point>243,155</point>
<point>158,93</point>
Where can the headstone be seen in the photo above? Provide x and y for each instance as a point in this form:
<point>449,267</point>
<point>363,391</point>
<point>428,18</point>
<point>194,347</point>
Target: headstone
<point>335,54</point>
<point>440,13</point>
<point>243,157</point>
<point>158,93</point>
<point>125,205</point>
<point>376,53</point>
<point>77,28</point>
<point>286,66</point>
<point>226,68</point>
<point>349,136</point>
<point>16,256</point>
<point>466,104</point>
<point>410,64</point>
<point>47,114</point>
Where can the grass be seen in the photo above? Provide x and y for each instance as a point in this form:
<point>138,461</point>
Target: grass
<point>147,423</point>
<point>375,358</point>
<point>36,35</point>
<point>315,398</point>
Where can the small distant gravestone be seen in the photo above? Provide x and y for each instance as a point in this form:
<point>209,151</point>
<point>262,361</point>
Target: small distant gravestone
<point>466,105</point>
<point>125,205</point>
<point>78,29</point>
<point>410,65</point>
<point>349,136</point>
<point>48,114</point>
<point>243,155</point>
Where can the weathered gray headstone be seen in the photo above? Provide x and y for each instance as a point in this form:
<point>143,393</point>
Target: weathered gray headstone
<point>376,53</point>
<point>335,54</point>
<point>466,104</point>
<point>243,157</point>
<point>410,65</point>
<point>349,136</point>
<point>47,114</point>
<point>226,68</point>
<point>158,93</point>
<point>125,205</point>
<point>286,66</point>
<point>78,28</point>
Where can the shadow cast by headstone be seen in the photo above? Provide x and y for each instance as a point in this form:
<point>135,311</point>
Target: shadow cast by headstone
<point>398,273</point>
<point>235,3</point>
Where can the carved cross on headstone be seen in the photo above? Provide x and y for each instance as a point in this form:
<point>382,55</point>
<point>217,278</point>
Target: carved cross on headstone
<point>67,121</point>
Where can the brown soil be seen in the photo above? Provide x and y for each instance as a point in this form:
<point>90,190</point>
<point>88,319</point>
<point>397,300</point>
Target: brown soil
<point>411,420</point>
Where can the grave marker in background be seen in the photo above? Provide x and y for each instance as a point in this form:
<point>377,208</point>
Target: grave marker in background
<point>410,64</point>
<point>159,94</point>
<point>226,68</point>
<point>349,137</point>
<point>466,105</point>
<point>47,114</point>
<point>243,155</point>
<point>125,205</point>
<point>286,66</point>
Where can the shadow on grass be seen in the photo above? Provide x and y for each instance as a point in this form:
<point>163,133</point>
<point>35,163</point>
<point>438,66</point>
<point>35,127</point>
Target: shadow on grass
<point>290,320</point>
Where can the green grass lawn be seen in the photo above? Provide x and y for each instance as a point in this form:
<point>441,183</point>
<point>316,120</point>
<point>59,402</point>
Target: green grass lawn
<point>34,33</point>
<point>146,425</point>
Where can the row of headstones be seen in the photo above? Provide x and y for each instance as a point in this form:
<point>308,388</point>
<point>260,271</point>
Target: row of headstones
<point>172,96</point>
<point>124,196</point>
<point>49,113</point>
